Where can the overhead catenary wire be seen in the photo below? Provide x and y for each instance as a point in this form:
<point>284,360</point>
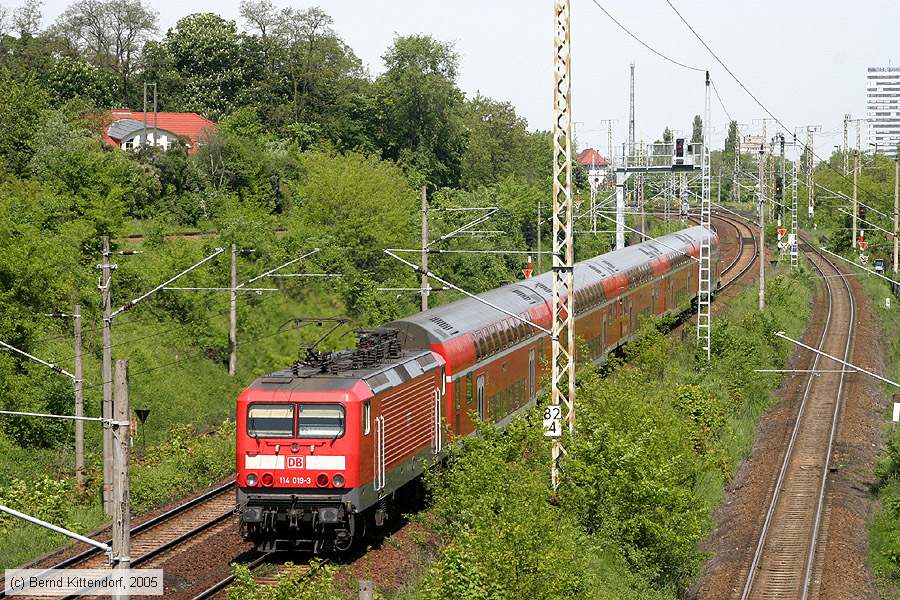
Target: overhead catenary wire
<point>642,42</point>
<point>759,103</point>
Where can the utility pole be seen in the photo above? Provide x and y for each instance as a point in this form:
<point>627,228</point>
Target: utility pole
<point>79,399</point>
<point>810,185</point>
<point>896,211</point>
<point>424,283</point>
<point>631,116</point>
<point>855,201</point>
<point>106,372</point>
<point>120,428</point>
<point>563,333</point>
<point>762,226</point>
<point>795,224</point>
<point>736,188</point>
<point>846,151</point>
<point>232,315</point>
<point>539,253</point>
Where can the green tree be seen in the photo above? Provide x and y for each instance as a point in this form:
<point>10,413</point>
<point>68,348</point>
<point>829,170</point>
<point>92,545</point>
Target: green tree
<point>667,136</point>
<point>497,142</point>
<point>422,124</point>
<point>108,34</point>
<point>697,130</point>
<point>326,84</point>
<point>23,105</point>
<point>201,65</point>
<point>71,78</point>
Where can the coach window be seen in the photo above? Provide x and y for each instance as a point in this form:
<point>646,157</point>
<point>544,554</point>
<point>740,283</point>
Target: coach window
<point>367,417</point>
<point>482,342</point>
<point>270,420</point>
<point>504,342</point>
<point>495,335</point>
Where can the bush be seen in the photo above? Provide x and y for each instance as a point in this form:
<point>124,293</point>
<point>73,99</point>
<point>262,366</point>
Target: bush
<point>297,584</point>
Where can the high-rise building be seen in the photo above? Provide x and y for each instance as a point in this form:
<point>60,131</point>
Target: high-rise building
<point>883,108</point>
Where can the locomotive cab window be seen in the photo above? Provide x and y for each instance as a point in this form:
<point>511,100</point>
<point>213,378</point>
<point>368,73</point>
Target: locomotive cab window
<point>320,421</point>
<point>270,420</point>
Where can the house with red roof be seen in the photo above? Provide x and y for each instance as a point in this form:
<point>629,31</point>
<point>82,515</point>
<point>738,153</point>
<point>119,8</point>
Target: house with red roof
<point>595,165</point>
<point>130,129</point>
<point>590,158</point>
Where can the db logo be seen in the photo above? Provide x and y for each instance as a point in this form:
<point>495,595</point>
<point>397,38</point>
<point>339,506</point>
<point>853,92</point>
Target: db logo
<point>294,462</point>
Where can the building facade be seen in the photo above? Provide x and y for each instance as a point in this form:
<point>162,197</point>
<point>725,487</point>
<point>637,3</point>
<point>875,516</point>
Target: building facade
<point>883,108</point>
<point>128,130</point>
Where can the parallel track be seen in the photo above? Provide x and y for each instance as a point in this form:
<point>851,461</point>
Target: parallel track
<point>746,257</point>
<point>782,564</point>
<point>164,532</point>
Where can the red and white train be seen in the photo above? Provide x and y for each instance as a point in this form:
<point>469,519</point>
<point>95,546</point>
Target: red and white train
<point>324,450</point>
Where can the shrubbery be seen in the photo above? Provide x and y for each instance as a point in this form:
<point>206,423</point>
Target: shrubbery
<point>633,504</point>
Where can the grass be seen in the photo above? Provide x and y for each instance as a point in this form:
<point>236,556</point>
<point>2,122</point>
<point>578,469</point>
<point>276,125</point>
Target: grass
<point>885,528</point>
<point>660,375</point>
<point>178,372</point>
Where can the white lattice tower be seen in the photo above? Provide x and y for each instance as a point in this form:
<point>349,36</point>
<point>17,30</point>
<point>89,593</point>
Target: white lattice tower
<point>563,306</point>
<point>704,283</point>
<point>792,239</point>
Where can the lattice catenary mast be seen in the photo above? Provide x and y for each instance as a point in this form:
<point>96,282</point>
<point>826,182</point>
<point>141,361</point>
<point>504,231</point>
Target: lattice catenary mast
<point>562,333</point>
<point>704,287</point>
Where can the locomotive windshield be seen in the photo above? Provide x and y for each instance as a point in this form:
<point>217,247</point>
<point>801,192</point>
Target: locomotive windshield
<point>270,420</point>
<point>320,421</point>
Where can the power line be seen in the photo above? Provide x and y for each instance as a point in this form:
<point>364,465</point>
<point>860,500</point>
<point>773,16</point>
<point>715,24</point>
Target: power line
<point>761,105</point>
<point>722,104</point>
<point>643,43</point>
<point>189,358</point>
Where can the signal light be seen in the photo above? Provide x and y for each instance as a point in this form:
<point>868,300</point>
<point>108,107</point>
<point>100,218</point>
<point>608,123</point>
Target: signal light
<point>322,480</point>
<point>252,479</point>
<point>268,479</point>
<point>338,480</point>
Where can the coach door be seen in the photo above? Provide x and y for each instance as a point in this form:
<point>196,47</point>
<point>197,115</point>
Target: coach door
<point>603,346</point>
<point>531,374</point>
<point>479,386</point>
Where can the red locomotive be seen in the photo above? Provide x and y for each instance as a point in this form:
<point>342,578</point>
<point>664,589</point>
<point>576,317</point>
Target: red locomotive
<point>325,448</point>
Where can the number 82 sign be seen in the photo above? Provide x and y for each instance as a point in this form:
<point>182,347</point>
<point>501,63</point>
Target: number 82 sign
<point>552,421</point>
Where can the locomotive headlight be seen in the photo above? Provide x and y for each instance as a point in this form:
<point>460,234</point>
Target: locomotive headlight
<point>252,479</point>
<point>338,480</point>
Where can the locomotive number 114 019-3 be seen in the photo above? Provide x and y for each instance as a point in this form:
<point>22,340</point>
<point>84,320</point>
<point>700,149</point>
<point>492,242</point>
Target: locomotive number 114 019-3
<point>294,480</point>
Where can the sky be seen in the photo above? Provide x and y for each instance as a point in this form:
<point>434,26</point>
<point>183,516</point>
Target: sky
<point>804,60</point>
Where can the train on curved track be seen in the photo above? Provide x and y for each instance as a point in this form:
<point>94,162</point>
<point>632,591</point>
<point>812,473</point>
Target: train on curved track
<point>327,447</point>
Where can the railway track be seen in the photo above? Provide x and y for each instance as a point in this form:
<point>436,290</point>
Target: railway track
<point>783,560</point>
<point>219,588</point>
<point>746,256</point>
<point>152,539</point>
